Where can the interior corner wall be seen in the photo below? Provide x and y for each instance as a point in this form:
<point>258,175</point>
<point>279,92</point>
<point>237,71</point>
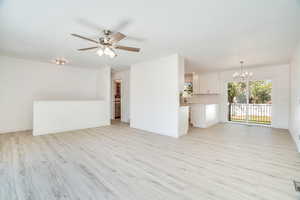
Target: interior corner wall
<point>23,81</point>
<point>104,90</point>
<point>123,75</point>
<point>181,75</point>
<point>294,122</point>
<point>154,96</point>
<point>280,76</point>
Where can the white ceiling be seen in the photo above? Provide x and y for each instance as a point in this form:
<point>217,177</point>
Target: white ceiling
<point>211,34</point>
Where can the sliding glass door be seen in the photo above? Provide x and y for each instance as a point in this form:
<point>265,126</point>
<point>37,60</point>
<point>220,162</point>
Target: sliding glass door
<point>250,102</point>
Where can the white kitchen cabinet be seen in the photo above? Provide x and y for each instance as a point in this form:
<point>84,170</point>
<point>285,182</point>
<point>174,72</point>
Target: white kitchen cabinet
<point>206,83</point>
<point>196,84</point>
<point>204,115</point>
<point>183,120</point>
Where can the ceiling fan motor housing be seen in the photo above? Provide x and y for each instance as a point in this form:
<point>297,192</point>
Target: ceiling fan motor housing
<point>107,32</point>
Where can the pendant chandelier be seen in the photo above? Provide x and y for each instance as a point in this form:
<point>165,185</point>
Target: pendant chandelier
<point>242,76</point>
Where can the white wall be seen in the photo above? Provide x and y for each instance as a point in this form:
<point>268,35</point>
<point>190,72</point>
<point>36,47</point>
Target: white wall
<point>59,116</point>
<point>279,74</point>
<point>181,78</point>
<point>104,89</point>
<point>23,81</point>
<point>125,94</point>
<point>154,95</point>
<point>294,125</point>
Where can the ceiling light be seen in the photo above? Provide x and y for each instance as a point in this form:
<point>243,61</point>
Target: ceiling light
<point>60,61</point>
<point>112,55</point>
<point>242,76</point>
<point>108,51</point>
<point>100,52</point>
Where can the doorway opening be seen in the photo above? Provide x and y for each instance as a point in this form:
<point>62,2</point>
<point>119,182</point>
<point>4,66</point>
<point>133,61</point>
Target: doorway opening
<point>117,99</point>
<point>250,102</point>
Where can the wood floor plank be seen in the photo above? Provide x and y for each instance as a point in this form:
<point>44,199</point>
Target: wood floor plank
<point>225,162</point>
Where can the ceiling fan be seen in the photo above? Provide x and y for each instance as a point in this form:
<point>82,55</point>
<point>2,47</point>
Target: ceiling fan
<point>107,44</point>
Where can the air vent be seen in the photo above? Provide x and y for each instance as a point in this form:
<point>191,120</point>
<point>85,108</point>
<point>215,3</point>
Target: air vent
<point>297,186</point>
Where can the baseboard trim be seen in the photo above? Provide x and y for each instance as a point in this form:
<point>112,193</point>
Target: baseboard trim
<point>15,131</point>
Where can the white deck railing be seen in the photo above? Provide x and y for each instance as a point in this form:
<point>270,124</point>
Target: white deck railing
<point>257,113</point>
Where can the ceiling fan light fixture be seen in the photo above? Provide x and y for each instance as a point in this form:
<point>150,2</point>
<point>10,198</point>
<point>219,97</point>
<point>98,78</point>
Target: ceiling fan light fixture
<point>107,44</point>
<point>108,51</point>
<point>112,55</point>
<point>100,52</point>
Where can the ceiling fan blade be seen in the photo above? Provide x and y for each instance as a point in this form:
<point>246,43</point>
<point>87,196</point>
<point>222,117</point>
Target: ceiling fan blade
<point>116,37</point>
<point>90,24</point>
<point>123,24</point>
<point>137,39</point>
<point>127,48</point>
<point>89,48</point>
<point>85,38</point>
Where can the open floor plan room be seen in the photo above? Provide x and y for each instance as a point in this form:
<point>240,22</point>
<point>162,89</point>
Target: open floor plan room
<point>149,100</point>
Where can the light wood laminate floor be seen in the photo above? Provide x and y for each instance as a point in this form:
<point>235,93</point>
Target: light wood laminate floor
<point>225,162</point>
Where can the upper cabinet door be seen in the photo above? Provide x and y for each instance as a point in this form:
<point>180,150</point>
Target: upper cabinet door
<point>204,84</point>
<point>196,85</point>
<point>209,83</point>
